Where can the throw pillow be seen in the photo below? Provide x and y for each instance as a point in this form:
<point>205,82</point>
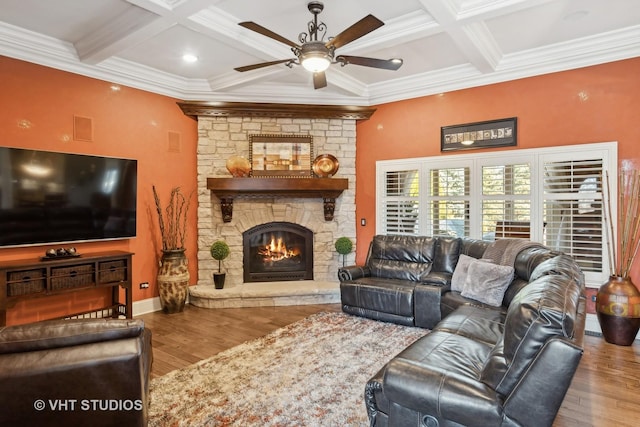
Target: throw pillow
<point>460,273</point>
<point>487,282</point>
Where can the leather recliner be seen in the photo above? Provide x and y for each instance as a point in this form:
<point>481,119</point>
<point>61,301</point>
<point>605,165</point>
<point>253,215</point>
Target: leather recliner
<point>75,372</point>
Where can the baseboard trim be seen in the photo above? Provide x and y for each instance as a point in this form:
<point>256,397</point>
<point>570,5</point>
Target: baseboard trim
<point>592,327</point>
<point>146,306</point>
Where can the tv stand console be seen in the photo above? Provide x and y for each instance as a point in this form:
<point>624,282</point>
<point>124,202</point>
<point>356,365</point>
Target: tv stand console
<point>34,278</point>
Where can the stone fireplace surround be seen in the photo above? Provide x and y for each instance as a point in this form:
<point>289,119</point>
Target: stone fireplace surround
<point>223,133</point>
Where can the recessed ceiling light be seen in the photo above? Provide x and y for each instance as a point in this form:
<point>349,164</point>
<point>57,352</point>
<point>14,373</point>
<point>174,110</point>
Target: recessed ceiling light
<point>188,57</point>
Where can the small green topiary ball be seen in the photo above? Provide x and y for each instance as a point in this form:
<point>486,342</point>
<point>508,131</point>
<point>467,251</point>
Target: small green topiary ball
<point>344,245</point>
<point>220,250</point>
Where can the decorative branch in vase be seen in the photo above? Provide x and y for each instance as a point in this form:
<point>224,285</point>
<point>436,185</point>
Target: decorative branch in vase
<point>173,274</point>
<point>173,227</point>
<point>618,300</point>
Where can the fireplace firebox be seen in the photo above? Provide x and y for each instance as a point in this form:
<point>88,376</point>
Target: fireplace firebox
<point>277,251</point>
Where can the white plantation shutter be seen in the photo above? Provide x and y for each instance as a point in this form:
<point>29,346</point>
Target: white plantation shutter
<point>400,202</point>
<point>506,201</point>
<point>573,210</point>
<point>550,195</point>
<point>449,201</point>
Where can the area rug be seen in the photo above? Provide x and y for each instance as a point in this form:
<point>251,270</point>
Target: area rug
<point>310,373</point>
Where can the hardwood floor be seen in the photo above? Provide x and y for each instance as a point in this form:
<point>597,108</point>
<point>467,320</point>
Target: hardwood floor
<point>605,391</point>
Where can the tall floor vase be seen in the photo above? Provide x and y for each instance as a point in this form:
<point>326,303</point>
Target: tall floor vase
<point>618,310</point>
<point>173,280</point>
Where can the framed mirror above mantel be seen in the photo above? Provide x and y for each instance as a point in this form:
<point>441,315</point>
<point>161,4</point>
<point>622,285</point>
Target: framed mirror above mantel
<point>227,189</point>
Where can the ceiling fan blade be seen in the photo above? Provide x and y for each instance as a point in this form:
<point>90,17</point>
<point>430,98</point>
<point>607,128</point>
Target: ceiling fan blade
<point>261,65</point>
<point>357,30</point>
<point>387,64</point>
<point>265,32</point>
<point>319,80</point>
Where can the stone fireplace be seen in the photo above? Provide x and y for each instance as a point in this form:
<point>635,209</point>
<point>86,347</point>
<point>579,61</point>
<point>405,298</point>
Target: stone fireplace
<point>226,134</point>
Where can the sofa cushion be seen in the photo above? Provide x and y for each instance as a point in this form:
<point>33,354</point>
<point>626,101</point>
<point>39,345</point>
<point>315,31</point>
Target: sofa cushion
<point>544,309</point>
<point>401,257</point>
<point>478,323</point>
<point>447,253</point>
<point>385,295</point>
<point>486,282</point>
<point>460,273</point>
<point>437,278</point>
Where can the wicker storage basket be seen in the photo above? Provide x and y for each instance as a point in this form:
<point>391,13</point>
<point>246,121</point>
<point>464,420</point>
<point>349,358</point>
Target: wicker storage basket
<point>75,276</point>
<point>112,271</point>
<point>26,282</point>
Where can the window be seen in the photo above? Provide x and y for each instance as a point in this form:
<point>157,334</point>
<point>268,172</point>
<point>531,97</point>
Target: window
<point>573,209</point>
<point>401,204</point>
<point>549,195</point>
<point>449,201</point>
<point>506,201</point>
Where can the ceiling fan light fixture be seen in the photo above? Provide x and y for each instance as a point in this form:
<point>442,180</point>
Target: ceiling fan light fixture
<point>314,54</point>
<point>315,57</point>
<point>316,64</point>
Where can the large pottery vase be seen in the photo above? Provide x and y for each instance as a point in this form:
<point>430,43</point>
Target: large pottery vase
<point>173,280</point>
<point>618,310</point>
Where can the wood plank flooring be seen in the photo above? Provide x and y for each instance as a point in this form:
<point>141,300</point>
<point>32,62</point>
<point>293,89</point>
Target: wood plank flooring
<point>605,391</point>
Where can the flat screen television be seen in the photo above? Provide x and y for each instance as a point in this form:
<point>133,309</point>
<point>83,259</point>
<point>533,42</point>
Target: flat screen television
<point>50,197</point>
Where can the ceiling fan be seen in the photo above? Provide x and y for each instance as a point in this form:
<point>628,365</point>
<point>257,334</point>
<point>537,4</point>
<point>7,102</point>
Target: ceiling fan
<point>316,55</point>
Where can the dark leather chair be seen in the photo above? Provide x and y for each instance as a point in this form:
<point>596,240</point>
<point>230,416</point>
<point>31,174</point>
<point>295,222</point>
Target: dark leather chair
<point>75,372</point>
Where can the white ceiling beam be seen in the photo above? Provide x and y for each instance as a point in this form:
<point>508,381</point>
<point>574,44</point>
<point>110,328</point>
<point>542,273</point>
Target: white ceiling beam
<point>234,79</point>
<point>130,28</point>
<point>403,29</point>
<point>473,38</point>
<point>139,23</point>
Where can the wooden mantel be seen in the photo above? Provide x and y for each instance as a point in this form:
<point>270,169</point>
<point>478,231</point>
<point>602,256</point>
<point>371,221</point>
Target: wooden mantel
<point>254,109</point>
<point>226,189</point>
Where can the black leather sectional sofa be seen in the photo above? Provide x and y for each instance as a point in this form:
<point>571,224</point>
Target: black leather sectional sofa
<point>500,356</point>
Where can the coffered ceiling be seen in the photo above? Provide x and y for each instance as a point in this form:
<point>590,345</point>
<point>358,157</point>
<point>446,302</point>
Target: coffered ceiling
<point>445,44</point>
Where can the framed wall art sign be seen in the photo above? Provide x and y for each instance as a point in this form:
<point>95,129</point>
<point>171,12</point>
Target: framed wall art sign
<point>492,133</point>
<point>281,155</point>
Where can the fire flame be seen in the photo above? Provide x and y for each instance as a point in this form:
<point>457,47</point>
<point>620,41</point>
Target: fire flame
<point>277,251</point>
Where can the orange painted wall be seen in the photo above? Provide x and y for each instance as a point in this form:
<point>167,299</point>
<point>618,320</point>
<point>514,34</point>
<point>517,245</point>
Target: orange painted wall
<point>594,104</point>
<point>127,123</point>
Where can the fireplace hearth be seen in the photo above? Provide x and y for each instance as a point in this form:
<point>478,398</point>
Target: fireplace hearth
<point>277,251</point>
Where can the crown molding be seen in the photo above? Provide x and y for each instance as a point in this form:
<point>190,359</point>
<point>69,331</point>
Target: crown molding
<point>613,46</point>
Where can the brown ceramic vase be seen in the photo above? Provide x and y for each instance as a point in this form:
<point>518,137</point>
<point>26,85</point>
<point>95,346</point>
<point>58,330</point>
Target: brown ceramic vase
<point>618,310</point>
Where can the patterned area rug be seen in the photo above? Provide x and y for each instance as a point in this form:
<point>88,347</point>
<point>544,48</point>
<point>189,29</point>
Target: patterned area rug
<point>310,373</point>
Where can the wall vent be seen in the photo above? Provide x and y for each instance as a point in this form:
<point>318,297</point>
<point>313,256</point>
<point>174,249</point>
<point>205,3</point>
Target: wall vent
<point>83,128</point>
<point>174,142</point>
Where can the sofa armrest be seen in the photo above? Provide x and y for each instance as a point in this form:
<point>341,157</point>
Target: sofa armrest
<point>543,387</point>
<point>84,377</point>
<point>65,333</point>
<point>441,394</point>
<point>353,272</point>
<point>426,300</point>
